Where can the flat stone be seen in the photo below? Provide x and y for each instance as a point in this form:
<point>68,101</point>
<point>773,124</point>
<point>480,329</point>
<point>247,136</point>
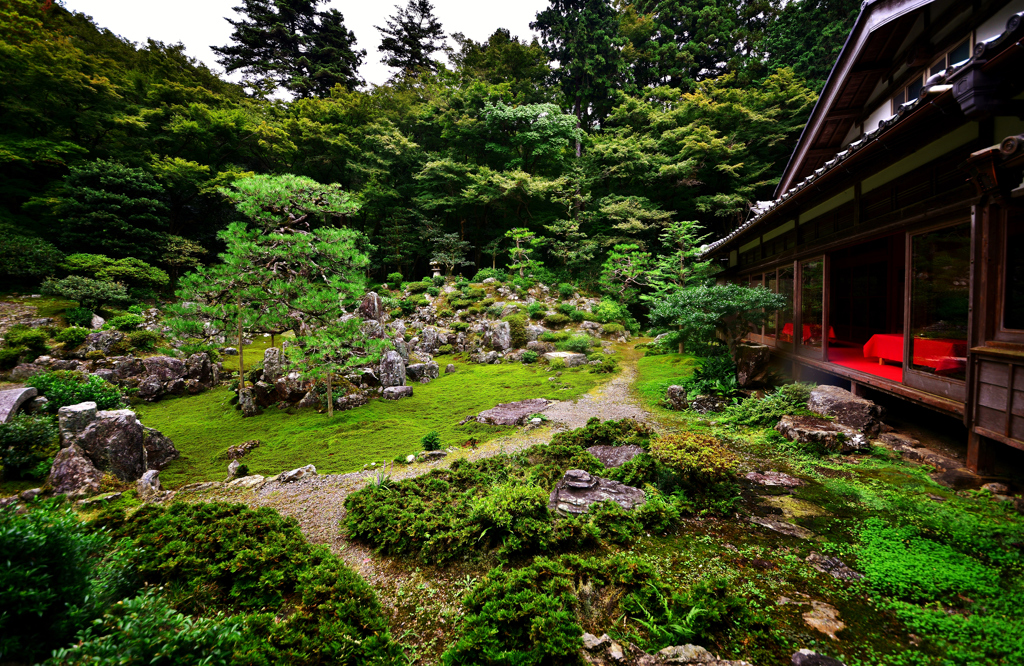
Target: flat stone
<point>807,657</point>
<point>73,419</point>
<point>614,456</point>
<point>578,490</point>
<point>782,527</point>
<point>833,566</point>
<point>592,642</point>
<point>571,359</point>
<point>928,457</point>
<point>297,474</point>
<point>899,440</point>
<point>830,435</point>
<point>774,479</point>
<point>433,455</point>
<point>848,409</point>
<point>250,481</point>
<point>397,392</point>
<point>996,488</point>
<point>449,369</point>
<point>512,413</point>
<point>824,618</point>
<point>12,400</point>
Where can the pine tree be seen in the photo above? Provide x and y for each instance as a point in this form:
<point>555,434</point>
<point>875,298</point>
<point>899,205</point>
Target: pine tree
<point>293,45</point>
<point>412,35</point>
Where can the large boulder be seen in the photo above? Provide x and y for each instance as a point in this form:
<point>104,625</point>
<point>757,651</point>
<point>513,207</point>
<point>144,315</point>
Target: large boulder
<point>751,363</point>
<point>578,489</point>
<point>103,341</point>
<point>160,450</point>
<point>500,336</point>
<point>247,402</point>
<point>371,307</point>
<point>273,365</point>
<point>165,368</point>
<point>72,472</point>
<point>676,397</point>
<point>419,372</point>
<point>431,339</point>
<point>397,392</point>
<point>846,408</point>
<point>486,358</point>
<point>571,359</point>
<point>540,346</point>
<point>512,413</point>
<point>828,435</point>
<point>392,369</point>
<point>200,368</point>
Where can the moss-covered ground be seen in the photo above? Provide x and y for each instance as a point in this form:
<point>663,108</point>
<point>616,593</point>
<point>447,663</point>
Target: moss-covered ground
<point>202,427</point>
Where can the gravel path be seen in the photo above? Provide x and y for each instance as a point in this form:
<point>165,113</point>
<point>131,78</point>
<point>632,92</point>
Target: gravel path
<point>318,503</point>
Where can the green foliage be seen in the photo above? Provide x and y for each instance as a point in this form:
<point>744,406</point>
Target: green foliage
<point>412,35</point>
<point>579,343</point>
<point>555,336</point>
<point>485,273</point>
<point>302,605</point>
<point>30,340</point>
<point>529,356</point>
<point>537,310</point>
<point>148,630</point>
<point>716,375</point>
<point>44,586</point>
<point>417,287</point>
<point>72,336</point>
<point>126,323</point>
<point>89,293</point>
<point>65,387</point>
<point>444,350</point>
<point>787,399</point>
<point>625,432</point>
<point>128,271</point>
<point>613,328</point>
<point>556,364</point>
<point>556,320</point>
<point>433,291</point>
<point>605,364</point>
<point>78,317</point>
<point>517,330</point>
<point>143,340</point>
<point>699,459</point>
<point>25,256</point>
<point>566,290</point>
<point>26,441</point>
<point>431,441</point>
<point>394,279</point>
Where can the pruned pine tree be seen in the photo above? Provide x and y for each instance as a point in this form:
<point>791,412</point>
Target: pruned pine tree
<point>412,35</point>
<point>287,268</point>
<point>293,45</point>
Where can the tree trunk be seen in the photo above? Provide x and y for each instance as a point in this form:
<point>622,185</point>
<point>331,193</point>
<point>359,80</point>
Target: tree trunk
<point>330,397</point>
<point>241,352</point>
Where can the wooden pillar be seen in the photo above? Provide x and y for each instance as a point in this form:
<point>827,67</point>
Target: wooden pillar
<point>857,389</point>
<point>979,453</point>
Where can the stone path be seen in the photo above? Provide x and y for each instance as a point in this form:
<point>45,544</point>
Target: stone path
<point>318,503</point>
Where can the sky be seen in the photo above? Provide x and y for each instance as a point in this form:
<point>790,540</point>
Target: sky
<point>199,24</point>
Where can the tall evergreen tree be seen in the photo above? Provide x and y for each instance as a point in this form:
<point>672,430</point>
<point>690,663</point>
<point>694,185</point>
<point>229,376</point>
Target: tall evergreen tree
<point>294,45</point>
<point>807,36</point>
<point>412,35</point>
<point>583,36</point>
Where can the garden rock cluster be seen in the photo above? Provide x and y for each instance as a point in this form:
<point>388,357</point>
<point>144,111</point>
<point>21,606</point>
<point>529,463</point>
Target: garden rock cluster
<point>97,442</point>
<point>829,435</point>
<point>604,651</point>
<point>511,413</point>
<point>847,409</point>
<point>578,490</point>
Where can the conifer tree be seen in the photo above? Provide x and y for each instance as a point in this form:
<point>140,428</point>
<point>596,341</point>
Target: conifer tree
<point>412,35</point>
<point>294,45</point>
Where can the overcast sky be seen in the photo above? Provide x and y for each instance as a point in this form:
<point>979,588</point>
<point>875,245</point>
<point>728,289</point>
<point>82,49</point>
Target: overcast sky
<point>199,24</point>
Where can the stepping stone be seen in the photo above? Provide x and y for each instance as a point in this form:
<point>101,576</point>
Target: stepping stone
<point>512,413</point>
<point>824,618</point>
<point>782,527</point>
<point>774,479</point>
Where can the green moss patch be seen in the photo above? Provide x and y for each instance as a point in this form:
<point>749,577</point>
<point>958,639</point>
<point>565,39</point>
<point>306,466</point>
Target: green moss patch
<point>203,427</point>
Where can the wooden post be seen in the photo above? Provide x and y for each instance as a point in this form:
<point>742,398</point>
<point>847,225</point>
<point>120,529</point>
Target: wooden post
<point>979,453</point>
<point>330,397</point>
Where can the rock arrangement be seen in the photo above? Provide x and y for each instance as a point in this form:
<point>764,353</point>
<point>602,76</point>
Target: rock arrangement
<point>97,442</point>
<point>511,413</point>
<point>830,435</point>
<point>603,651</point>
<point>578,490</point>
<point>847,409</point>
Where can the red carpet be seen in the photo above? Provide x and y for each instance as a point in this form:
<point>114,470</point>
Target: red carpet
<point>853,358</point>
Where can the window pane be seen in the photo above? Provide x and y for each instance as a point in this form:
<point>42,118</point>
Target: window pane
<point>940,290</point>
<point>811,293</point>
<point>914,90</point>
<point>1013,296</point>
<point>937,67</point>
<point>897,99</point>
<point>786,314</point>
<point>772,283</point>
<point>961,53</point>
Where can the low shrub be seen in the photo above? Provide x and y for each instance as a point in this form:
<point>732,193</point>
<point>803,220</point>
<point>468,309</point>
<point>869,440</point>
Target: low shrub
<point>32,340</point>
<point>300,604</point>
<point>27,444</point>
<point>716,375</point>
<point>700,459</point>
<point>577,316</point>
<point>556,320</point>
<point>446,314</point>
<point>517,330</point>
<point>474,294</point>
<point>605,364</point>
<point>485,273</point>
<point>529,356</point>
<point>579,343</point>
<point>460,326</point>
<point>438,280</point>
<point>431,441</point>
<point>474,311</point>
<point>495,311</point>
<point>433,291</point>
<point>537,310</point>
<point>147,630</point>
<point>566,290</point>
<point>407,306</point>
<point>394,279</point>
<point>460,304</point>
<point>64,387</point>
<point>416,287</point>
<point>614,328</point>
<point>49,558</point>
<point>554,336</point>
<point>143,340</point>
<point>787,399</point>
<point>72,336</point>
<point>444,350</point>
<point>556,364</point>
<point>126,323</point>
<point>11,356</point>
<point>624,432</point>
<point>78,317</point>
<point>565,308</point>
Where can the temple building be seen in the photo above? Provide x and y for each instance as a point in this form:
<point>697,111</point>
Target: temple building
<point>897,229</point>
